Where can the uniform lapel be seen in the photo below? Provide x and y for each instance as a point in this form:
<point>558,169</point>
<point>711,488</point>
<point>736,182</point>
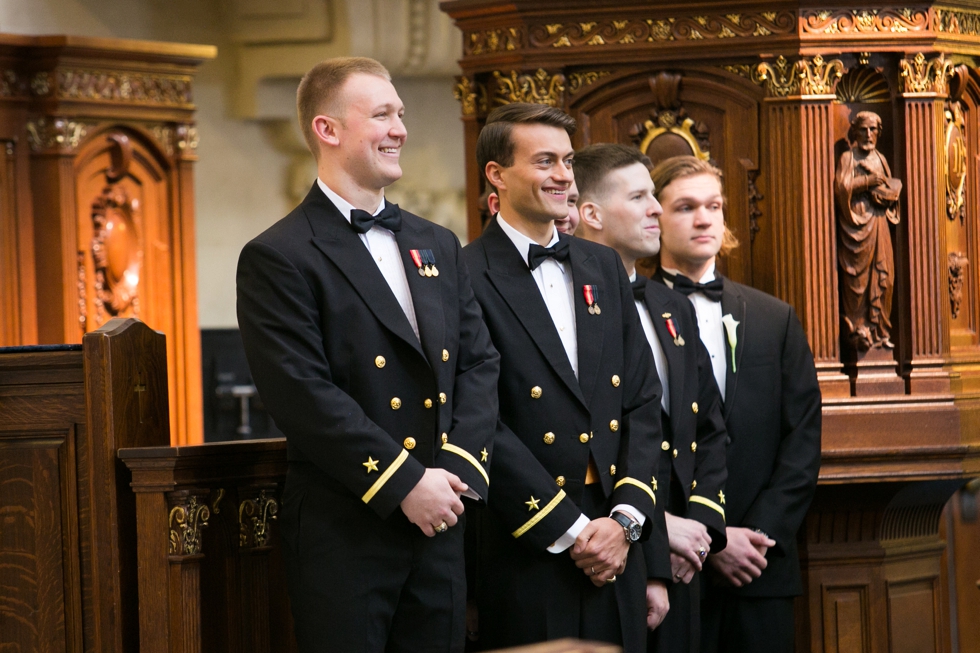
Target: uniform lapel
<point>426,291</point>
<point>333,236</point>
<point>673,353</point>
<point>509,274</point>
<point>732,303</point>
<point>588,327</point>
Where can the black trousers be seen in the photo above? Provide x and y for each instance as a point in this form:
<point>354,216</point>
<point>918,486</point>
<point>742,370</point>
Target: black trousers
<point>359,584</point>
<point>735,624</point>
<point>680,631</point>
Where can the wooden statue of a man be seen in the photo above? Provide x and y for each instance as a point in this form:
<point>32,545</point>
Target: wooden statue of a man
<point>868,197</point>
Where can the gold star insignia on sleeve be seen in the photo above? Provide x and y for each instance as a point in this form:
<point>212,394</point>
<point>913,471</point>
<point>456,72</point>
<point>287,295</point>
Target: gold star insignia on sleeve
<point>653,483</point>
<point>371,464</point>
<point>532,504</point>
<point>483,455</point>
<point>721,497</point>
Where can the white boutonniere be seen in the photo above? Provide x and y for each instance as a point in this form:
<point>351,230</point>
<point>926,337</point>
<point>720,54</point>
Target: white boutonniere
<point>730,326</point>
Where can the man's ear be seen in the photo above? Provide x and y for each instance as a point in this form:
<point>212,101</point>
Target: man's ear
<point>326,130</point>
<point>493,172</point>
<point>591,214</point>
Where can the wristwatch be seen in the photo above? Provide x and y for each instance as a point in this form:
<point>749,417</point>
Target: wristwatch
<point>630,526</point>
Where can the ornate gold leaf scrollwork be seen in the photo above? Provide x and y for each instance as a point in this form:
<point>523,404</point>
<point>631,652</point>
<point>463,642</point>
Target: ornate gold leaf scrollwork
<point>956,161</point>
<point>117,86</point>
<point>957,21</point>
<point>818,77</point>
<point>539,88</point>
<point>60,133</point>
<point>187,138</point>
<point>254,516</point>
<point>471,95</point>
<point>926,76</point>
<point>491,41</point>
<point>780,78</point>
<point>11,84</point>
<point>957,263</point>
<point>578,81</point>
<point>186,521</point>
<point>863,21</point>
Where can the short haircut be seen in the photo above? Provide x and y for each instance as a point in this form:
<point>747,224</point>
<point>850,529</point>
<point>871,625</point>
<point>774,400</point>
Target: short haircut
<point>681,167</point>
<point>320,88</point>
<point>594,163</point>
<point>495,142</point>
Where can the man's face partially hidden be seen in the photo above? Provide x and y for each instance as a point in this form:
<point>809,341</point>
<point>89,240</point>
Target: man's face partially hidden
<point>568,225</point>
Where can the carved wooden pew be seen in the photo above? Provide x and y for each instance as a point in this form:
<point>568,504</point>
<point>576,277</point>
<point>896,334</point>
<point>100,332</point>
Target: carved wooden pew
<point>67,515</point>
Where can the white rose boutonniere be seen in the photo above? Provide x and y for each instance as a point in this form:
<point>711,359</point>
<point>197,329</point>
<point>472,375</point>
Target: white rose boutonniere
<point>730,326</point>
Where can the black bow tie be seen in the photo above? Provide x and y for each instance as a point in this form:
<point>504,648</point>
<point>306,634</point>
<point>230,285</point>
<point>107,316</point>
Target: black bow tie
<point>712,290</point>
<point>390,218</point>
<point>536,254</point>
<point>639,286</point>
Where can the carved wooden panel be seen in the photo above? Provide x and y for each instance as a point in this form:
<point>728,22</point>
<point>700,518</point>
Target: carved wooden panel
<point>846,613</point>
<point>914,602</point>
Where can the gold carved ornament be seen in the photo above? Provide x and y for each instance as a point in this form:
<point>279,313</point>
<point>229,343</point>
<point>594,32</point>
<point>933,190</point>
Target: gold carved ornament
<point>863,85</point>
<point>925,76</point>
<point>957,21</point>
<point>864,21</point>
<point>471,96</point>
<point>956,161</point>
<point>539,88</point>
<point>808,77</point>
<point>957,263</point>
<point>578,81</point>
<point>60,133</point>
<point>186,522</point>
<point>779,78</point>
<point>254,516</point>
<point>667,122</point>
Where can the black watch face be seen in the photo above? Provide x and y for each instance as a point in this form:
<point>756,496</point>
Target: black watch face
<point>634,532</point>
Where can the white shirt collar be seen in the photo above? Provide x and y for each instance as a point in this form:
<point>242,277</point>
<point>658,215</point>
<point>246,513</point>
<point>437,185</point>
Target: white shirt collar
<point>709,275</point>
<point>343,205</point>
<point>522,242</point>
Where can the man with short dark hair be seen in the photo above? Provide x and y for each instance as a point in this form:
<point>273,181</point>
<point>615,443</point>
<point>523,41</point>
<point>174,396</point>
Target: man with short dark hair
<point>771,404</point>
<point>575,451</point>
<point>370,352</point>
<point>619,210</point>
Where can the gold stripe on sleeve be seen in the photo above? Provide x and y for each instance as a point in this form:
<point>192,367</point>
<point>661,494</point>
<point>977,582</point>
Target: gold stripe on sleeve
<point>707,502</point>
<point>642,486</point>
<point>541,514</point>
<point>378,484</point>
<point>468,457</point>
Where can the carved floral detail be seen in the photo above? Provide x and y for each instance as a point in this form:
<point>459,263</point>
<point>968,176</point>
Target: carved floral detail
<point>187,138</point>
<point>578,81</point>
<point>187,518</point>
<point>61,133</point>
<point>864,21</point>
<point>926,76</point>
<point>10,84</point>
<point>539,88</point>
<point>779,77</point>
<point>957,21</point>
<point>957,262</point>
<point>818,77</point>
<point>956,161</point>
<point>490,41</point>
<point>164,137</point>
<point>254,516</point>
<point>740,69</point>
<point>465,93</point>
<point>41,84</point>
<point>143,88</point>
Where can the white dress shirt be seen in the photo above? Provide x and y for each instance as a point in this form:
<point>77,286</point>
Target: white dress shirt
<point>554,281</point>
<point>383,247</point>
<point>711,327</point>
<point>658,350</point>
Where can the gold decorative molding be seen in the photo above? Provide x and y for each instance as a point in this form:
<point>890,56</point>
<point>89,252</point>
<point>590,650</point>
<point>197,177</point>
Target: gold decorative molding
<point>187,518</point>
<point>116,86</point>
<point>779,78</point>
<point>60,133</point>
<point>11,84</point>
<point>957,21</point>
<point>254,516</point>
<point>818,77</point>
<point>492,41</point>
<point>957,263</point>
<point>740,69</point>
<point>41,84</point>
<point>218,496</point>
<point>186,137</point>
<point>863,85</point>
<point>925,76</point>
<point>539,88</point>
<point>471,96</point>
<point>578,81</point>
<point>956,161</point>
<point>864,21</point>
<point>163,134</point>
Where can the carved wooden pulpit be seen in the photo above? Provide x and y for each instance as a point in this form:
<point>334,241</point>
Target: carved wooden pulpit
<point>97,146</point>
<point>769,92</point>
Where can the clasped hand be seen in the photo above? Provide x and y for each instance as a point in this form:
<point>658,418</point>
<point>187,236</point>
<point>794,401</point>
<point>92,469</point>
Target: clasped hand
<point>744,559</point>
<point>434,499</point>
<point>600,550</point>
<point>689,544</point>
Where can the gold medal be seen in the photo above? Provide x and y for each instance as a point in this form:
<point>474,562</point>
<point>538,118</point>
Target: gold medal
<point>435,271</point>
<point>597,309</point>
<point>591,310</point>
<point>428,271</point>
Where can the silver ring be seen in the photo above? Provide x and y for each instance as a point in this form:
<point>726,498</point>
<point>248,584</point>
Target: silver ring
<point>702,552</point>
<point>593,571</point>
<point>442,528</point>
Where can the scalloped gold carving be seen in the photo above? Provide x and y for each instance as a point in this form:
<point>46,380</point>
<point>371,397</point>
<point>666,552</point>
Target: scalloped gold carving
<point>925,76</point>
<point>539,88</point>
<point>186,521</point>
<point>779,78</point>
<point>578,81</point>
<point>818,77</point>
<point>863,85</point>
<point>254,516</point>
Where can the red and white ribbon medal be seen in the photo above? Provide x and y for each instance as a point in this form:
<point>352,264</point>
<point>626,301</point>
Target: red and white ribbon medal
<point>591,294</point>
<point>672,329</point>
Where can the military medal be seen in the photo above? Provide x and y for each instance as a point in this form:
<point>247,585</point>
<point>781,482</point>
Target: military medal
<point>417,259</point>
<point>591,294</point>
<point>672,328</point>
<point>430,263</point>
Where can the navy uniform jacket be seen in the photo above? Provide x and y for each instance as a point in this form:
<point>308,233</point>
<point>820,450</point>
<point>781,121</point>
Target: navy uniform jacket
<point>772,413</point>
<point>696,450</point>
<point>337,364</point>
<point>550,422</point>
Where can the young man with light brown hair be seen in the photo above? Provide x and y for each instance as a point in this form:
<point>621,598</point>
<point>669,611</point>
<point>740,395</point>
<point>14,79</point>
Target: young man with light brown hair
<point>369,350</point>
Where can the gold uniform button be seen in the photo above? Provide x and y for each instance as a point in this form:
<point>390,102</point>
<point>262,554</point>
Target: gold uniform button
<point>583,438</point>
<point>427,403</point>
<point>614,426</point>
<point>694,447</point>
<point>445,438</point>
<point>442,397</point>
<point>615,380</point>
<point>694,408</point>
<point>675,453</point>
<point>549,437</point>
<point>665,445</point>
<point>379,361</point>
<point>536,392</point>
<point>409,443</point>
<point>445,355</point>
<point>694,484</point>
<point>612,470</point>
<point>396,403</point>
<point>560,481</point>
